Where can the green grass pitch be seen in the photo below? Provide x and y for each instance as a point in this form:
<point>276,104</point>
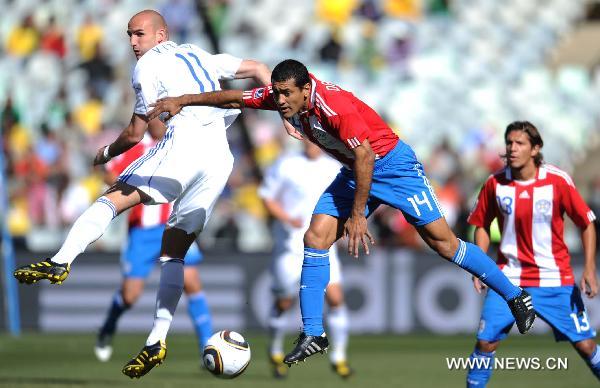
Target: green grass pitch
<point>61,360</point>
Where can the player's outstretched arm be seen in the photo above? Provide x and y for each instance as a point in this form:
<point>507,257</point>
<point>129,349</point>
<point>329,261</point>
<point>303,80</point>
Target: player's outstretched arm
<point>355,228</point>
<point>589,281</point>
<point>254,69</point>
<point>130,136</point>
<point>173,105</point>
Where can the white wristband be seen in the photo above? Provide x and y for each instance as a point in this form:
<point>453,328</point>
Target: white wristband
<point>105,153</point>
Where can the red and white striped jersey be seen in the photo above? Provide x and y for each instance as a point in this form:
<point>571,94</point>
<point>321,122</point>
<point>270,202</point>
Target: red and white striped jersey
<point>335,120</point>
<point>532,250</point>
<point>140,215</point>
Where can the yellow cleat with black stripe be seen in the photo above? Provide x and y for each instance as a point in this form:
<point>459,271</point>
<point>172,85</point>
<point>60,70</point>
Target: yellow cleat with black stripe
<point>280,370</point>
<point>342,369</point>
<point>47,269</point>
<point>148,358</point>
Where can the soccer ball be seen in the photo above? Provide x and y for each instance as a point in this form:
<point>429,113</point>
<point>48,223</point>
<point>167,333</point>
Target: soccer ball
<point>226,354</point>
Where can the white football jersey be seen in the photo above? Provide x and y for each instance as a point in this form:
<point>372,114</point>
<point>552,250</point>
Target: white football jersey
<point>297,182</point>
<point>170,70</point>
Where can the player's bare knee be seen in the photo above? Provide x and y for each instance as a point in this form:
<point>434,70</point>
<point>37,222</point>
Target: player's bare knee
<point>444,248</point>
<point>486,346</point>
<point>440,238</point>
<point>316,239</point>
<point>130,295</point>
<point>191,280</point>
<point>585,348</point>
<point>176,242</point>
<point>191,287</point>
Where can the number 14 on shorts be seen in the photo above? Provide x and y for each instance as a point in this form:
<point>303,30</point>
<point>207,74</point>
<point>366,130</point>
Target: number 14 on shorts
<point>415,201</point>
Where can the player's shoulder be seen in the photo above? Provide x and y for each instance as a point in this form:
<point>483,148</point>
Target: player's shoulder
<point>190,48</point>
<point>502,176</point>
<point>155,57</point>
<point>555,175</point>
<point>330,106</point>
<point>335,102</point>
<point>328,94</point>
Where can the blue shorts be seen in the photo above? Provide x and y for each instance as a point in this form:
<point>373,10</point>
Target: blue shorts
<point>142,251</point>
<point>398,181</point>
<point>560,307</point>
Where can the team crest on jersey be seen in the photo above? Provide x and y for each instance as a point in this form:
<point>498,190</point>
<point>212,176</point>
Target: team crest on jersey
<point>258,93</point>
<point>542,213</point>
<point>543,206</point>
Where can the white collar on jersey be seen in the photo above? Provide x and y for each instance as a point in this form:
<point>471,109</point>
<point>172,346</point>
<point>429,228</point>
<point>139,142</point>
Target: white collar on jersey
<point>166,43</point>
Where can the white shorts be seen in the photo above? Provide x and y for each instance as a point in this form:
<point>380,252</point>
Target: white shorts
<point>286,269</point>
<point>189,166</point>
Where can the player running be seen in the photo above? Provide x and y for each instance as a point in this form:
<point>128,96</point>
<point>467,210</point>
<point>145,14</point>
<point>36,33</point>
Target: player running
<point>189,166</point>
<point>379,169</point>
<point>290,198</point>
<point>141,252</point>
<point>529,199</point>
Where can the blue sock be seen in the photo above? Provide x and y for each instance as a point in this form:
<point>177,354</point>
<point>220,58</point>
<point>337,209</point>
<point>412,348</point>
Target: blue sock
<point>482,367</point>
<point>314,279</point>
<point>117,308</point>
<point>200,316</point>
<point>594,362</point>
<point>474,260</point>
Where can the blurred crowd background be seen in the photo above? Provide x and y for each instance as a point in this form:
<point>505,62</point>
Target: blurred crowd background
<point>447,75</point>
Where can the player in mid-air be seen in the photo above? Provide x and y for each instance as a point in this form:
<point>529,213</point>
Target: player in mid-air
<point>529,199</point>
<point>290,198</point>
<point>379,169</point>
<point>142,251</point>
<point>189,166</point>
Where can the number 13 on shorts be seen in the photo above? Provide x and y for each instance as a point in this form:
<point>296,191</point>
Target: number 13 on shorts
<point>581,321</point>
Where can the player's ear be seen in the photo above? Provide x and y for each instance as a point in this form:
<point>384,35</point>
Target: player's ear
<point>162,35</point>
<point>306,90</point>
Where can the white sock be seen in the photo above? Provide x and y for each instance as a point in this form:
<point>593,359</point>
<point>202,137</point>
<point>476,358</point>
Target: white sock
<point>337,322</point>
<point>88,228</point>
<point>170,289</point>
<point>276,331</point>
